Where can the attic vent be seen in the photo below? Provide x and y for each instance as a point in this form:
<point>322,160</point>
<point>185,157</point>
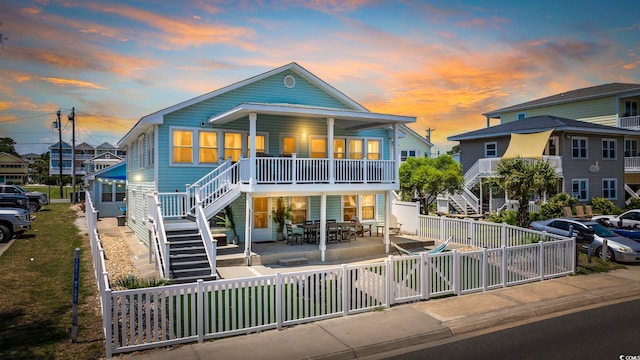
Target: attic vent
<point>108,156</point>
<point>289,81</point>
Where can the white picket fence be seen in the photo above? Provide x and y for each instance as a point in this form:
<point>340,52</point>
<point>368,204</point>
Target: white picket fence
<point>161,316</point>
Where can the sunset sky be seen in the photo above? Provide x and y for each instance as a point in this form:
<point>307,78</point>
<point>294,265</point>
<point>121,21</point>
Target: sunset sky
<point>445,62</point>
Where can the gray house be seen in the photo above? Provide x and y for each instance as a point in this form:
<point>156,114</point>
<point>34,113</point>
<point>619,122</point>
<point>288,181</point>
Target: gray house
<point>587,157</point>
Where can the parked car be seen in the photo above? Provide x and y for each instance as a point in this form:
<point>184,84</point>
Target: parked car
<point>37,199</point>
<point>14,201</point>
<point>629,218</point>
<point>619,248</point>
<point>13,221</point>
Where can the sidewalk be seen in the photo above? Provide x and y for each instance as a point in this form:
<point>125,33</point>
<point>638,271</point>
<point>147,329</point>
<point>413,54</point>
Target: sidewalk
<point>401,326</point>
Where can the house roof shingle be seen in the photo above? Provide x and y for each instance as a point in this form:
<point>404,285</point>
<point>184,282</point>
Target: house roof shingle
<point>570,96</point>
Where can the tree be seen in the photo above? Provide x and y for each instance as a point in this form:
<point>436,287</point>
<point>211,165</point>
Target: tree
<point>7,145</point>
<point>521,179</point>
<point>428,177</point>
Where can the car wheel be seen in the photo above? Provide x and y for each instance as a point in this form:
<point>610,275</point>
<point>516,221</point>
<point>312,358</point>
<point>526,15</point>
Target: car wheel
<point>5,234</point>
<point>610,256</point>
<point>34,207</point>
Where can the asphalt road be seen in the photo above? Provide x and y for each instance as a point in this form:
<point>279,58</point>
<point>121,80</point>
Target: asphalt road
<point>602,333</point>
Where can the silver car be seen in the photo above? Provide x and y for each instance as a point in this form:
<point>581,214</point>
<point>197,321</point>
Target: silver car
<point>629,218</point>
<point>619,248</point>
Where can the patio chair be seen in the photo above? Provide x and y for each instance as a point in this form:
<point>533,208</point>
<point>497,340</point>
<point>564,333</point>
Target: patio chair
<point>333,232</point>
<point>588,210</point>
<point>360,228</point>
<point>580,212</point>
<point>348,232</point>
<point>567,211</point>
<point>293,237</point>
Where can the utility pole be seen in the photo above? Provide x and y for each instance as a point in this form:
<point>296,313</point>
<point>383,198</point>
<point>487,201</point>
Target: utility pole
<point>72,118</point>
<point>59,126</point>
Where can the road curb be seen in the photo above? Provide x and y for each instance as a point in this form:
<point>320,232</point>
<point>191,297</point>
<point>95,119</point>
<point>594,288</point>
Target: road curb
<point>531,311</point>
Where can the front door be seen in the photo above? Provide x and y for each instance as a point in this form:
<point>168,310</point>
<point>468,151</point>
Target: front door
<point>261,220</point>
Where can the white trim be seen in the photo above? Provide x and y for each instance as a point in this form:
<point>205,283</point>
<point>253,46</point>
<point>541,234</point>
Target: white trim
<point>486,152</point>
<point>615,148</point>
<point>586,147</point>
<point>615,188</point>
<point>586,189</point>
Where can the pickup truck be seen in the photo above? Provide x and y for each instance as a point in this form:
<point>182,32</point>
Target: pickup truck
<point>37,199</point>
<point>14,201</point>
<point>13,221</point>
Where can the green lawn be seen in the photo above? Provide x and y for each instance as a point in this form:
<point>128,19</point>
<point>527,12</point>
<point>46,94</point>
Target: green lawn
<point>37,292</point>
<point>53,192</point>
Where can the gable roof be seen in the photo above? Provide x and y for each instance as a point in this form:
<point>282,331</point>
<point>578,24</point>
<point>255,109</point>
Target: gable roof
<point>587,93</point>
<point>157,117</point>
<point>407,130</point>
<point>8,157</point>
<point>540,123</point>
<point>117,172</point>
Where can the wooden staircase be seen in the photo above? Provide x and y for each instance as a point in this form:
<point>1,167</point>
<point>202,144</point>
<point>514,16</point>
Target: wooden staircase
<point>188,257</point>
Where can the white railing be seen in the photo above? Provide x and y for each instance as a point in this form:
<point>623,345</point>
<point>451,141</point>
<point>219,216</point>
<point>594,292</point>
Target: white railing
<point>162,316</point>
<point>205,233</point>
<point>224,182</point>
<point>159,235</point>
<point>489,166</point>
<point>630,122</point>
<point>294,170</point>
<point>632,163</point>
<point>174,204</point>
<point>479,234</point>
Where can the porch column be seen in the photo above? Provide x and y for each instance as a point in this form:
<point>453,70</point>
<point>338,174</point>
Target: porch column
<point>396,154</point>
<point>252,145</point>
<point>387,218</point>
<point>330,122</point>
<point>323,227</point>
<point>247,227</point>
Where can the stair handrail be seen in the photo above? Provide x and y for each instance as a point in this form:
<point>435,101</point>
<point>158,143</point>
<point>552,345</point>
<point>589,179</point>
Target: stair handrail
<point>471,174</point>
<point>205,233</point>
<point>162,245</point>
<point>218,186</point>
<point>191,188</point>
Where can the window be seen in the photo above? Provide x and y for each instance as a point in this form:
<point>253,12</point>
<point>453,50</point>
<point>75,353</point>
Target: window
<point>349,207</point>
<point>112,192</point>
<point>289,145</point>
<point>609,187</point>
<point>150,140</point>
<point>609,149</point>
<point>405,154</point>
<point>319,148</point>
<point>141,151</point>
<point>579,147</point>
<point>552,146</point>
<point>208,147</point>
<point>259,145</point>
<point>356,148</point>
<point>232,146</point>
<point>182,146</point>
<point>521,115</point>
<point>368,207</point>
<point>339,148</point>
<point>491,149</point>
<point>373,149</point>
<point>580,189</point>
<point>630,108</point>
<point>631,148</point>
<point>298,209</point>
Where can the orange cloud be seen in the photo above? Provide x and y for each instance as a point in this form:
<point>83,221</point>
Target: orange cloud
<point>173,32</point>
<point>72,83</point>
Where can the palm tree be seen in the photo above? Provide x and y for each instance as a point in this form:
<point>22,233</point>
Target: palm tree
<point>521,179</point>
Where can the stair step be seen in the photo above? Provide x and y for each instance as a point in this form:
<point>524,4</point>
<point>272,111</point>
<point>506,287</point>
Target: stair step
<point>293,261</point>
<point>189,265</point>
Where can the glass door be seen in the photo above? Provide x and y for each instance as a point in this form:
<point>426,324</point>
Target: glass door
<point>262,230</point>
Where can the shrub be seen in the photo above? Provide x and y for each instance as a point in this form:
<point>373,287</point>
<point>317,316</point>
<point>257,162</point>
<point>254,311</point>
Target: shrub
<point>634,203</point>
<point>604,206</point>
<point>553,207</point>
<point>504,216</point>
<point>133,282</point>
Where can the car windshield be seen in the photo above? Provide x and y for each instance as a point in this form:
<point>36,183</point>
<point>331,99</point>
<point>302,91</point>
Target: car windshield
<point>21,189</point>
<point>602,231</point>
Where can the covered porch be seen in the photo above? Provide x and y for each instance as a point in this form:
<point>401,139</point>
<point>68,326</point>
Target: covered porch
<point>278,254</point>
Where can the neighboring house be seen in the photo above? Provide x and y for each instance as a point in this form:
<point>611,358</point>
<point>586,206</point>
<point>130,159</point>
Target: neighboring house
<point>586,157</point>
<point>83,152</point>
<point>108,189</point>
<point>411,144</point>
<point>13,169</point>
<point>282,134</point>
<point>100,162</point>
<point>614,104</point>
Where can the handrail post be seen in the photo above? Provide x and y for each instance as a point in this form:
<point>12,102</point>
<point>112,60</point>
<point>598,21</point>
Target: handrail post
<point>294,169</point>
